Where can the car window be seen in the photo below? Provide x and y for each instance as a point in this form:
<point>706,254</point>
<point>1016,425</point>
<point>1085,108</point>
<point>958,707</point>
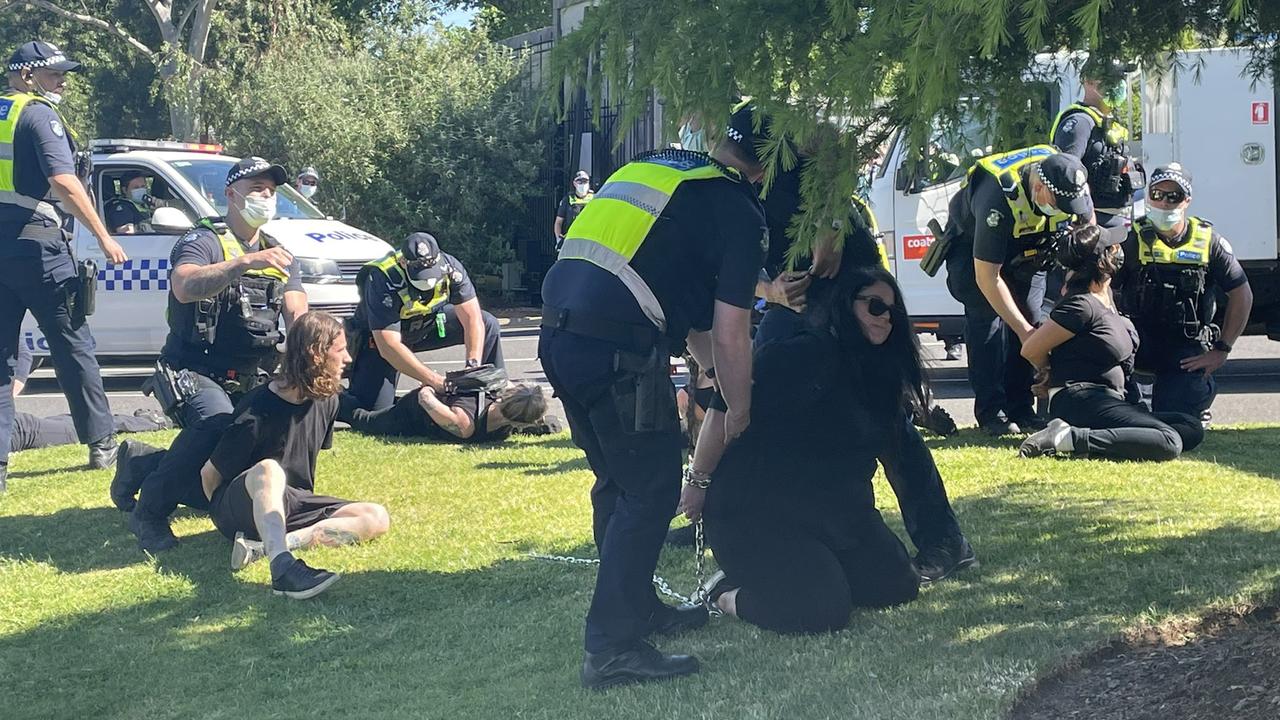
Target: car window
<point>209,178</point>
<point>111,183</point>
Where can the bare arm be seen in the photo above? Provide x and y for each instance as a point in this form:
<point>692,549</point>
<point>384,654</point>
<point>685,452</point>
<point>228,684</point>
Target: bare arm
<point>559,227</point>
<point>731,339</point>
<point>1037,346</point>
<point>392,349</point>
<point>71,193</point>
<point>295,306</point>
<point>997,293</point>
<point>455,421</point>
<point>210,479</point>
<point>699,344</point>
<point>472,320</point>
<point>191,282</point>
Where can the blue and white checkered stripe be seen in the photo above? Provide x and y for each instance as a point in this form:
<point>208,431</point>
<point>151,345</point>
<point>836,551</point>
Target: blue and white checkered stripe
<point>135,275</point>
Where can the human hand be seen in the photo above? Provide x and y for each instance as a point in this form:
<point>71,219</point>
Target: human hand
<point>1207,362</point>
<point>691,501</point>
<point>115,254</point>
<point>273,257</point>
<point>788,289</point>
<point>735,423</point>
<point>826,257</point>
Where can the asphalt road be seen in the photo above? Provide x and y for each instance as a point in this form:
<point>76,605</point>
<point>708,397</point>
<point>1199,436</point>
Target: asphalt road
<point>1249,386</point>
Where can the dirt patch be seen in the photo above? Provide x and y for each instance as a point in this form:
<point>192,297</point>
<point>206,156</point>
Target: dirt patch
<point>1227,666</point>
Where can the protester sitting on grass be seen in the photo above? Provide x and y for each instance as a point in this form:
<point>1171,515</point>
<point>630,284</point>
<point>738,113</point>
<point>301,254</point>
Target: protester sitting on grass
<point>260,479</point>
<point>471,417</point>
<point>790,512</point>
<point>1084,353</point>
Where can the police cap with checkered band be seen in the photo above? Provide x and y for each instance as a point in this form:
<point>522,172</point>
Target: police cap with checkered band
<point>37,55</point>
<point>1067,179</point>
<point>254,166</point>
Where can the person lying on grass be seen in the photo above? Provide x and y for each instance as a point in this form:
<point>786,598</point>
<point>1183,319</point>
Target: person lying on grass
<point>1084,354</point>
<point>790,511</point>
<point>260,479</point>
<point>470,417</point>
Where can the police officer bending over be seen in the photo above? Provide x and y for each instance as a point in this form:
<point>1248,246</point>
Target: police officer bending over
<point>1000,234</point>
<point>413,300</point>
<point>1175,268</point>
<point>671,244</point>
<point>227,291</point>
<point>38,184</point>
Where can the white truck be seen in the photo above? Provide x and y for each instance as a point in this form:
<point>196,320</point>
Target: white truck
<point>189,180</point>
<point>1209,115</point>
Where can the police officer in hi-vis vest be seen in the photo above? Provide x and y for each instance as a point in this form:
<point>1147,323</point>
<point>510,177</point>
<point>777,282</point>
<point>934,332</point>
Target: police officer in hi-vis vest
<point>39,187</point>
<point>999,239</point>
<point>1177,268</point>
<point>414,299</point>
<point>669,251</point>
<point>572,204</point>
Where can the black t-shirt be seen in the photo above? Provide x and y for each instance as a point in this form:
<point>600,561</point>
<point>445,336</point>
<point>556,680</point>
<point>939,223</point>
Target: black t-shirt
<point>201,247</point>
<point>782,204</point>
<point>120,212</point>
<point>707,245</point>
<point>407,418</point>
<point>1102,346</point>
<point>265,426</point>
<point>42,148</point>
<point>569,210</point>
<point>380,304</point>
<point>982,219</point>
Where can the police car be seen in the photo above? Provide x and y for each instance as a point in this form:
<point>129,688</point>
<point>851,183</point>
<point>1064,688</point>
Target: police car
<point>188,180</point>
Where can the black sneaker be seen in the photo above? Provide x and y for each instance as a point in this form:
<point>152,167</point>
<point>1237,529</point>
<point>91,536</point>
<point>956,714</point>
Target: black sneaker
<point>301,581</point>
<point>102,454</point>
<point>154,536</point>
<point>1029,423</point>
<point>939,561</point>
<point>124,486</point>
<point>161,421</point>
<point>548,425</point>
<point>1206,419</point>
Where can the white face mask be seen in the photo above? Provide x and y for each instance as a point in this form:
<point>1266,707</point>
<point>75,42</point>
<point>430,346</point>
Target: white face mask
<point>580,189</point>
<point>307,190</point>
<point>1049,210</point>
<point>52,97</point>
<point>1165,219</point>
<point>138,194</point>
<point>258,211</point>
<point>693,139</point>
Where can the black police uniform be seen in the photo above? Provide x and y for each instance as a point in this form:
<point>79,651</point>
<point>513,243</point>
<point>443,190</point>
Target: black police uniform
<point>1171,305</point>
<point>570,208</point>
<point>38,274</point>
<point>981,226</point>
<point>609,366</point>
<point>224,341</point>
<point>121,211</point>
<point>373,380</point>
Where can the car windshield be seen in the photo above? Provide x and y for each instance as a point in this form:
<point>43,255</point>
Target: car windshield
<point>209,178</point>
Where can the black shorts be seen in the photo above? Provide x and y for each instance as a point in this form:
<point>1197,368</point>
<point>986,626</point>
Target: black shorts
<point>232,509</point>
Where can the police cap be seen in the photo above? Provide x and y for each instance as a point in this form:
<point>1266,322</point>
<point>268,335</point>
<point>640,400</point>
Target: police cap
<point>1172,172</point>
<point>741,130</point>
<point>37,55</point>
<point>1067,179</point>
<point>254,166</point>
<point>422,256</point>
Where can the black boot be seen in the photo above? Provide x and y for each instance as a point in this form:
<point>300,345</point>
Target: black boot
<point>154,535</point>
<point>641,663</point>
<point>669,620</point>
<point>102,454</point>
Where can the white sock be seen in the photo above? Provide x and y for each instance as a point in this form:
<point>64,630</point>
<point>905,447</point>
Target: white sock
<point>1062,441</point>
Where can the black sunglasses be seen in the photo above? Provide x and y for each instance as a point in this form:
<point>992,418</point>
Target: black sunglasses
<point>422,263</point>
<point>1170,196</point>
<point>875,305</point>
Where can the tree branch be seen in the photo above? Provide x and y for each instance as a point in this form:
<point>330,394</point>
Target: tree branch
<point>86,20</point>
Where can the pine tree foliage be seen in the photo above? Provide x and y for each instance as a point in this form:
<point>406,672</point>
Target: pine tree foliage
<point>837,77</point>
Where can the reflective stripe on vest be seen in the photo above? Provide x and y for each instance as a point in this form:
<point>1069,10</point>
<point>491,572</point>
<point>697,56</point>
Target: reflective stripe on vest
<point>1006,169</point>
<point>613,227</point>
<point>1115,132</point>
<point>411,303</point>
<point>11,107</point>
<point>1152,248</point>
<point>231,248</point>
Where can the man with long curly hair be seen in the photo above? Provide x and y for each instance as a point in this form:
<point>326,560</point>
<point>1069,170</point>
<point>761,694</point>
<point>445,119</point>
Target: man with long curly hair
<point>260,479</point>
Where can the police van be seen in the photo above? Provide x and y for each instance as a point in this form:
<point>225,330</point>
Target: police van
<point>188,182</point>
<point>1202,110</point>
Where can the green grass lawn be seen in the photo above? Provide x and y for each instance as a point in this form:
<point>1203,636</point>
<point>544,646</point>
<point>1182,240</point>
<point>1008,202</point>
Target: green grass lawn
<point>446,617</point>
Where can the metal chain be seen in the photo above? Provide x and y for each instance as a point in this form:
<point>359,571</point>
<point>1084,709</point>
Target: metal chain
<point>659,582</point>
<point>702,594</point>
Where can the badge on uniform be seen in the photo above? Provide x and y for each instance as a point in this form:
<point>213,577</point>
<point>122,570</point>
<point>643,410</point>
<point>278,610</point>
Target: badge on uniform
<point>1222,242</point>
<point>1068,126</point>
<point>387,302</point>
<point>56,127</point>
<point>994,218</point>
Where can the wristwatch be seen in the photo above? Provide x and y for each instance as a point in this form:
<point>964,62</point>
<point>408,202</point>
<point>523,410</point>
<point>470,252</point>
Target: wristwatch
<point>1222,346</point>
<point>473,363</point>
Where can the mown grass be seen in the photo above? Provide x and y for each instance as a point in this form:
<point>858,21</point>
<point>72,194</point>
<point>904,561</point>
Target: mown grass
<point>446,617</point>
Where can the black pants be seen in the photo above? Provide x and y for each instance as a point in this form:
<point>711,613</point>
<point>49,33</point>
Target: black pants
<point>637,474</point>
<point>908,463</point>
<point>1105,425</point>
<point>405,418</point>
<point>792,580</point>
<point>1001,378</point>
<point>176,478</point>
<point>373,379</point>
<point>41,285</point>
<point>31,432</point>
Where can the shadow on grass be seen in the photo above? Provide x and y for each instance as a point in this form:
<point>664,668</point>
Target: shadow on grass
<point>1238,448</point>
<point>32,474</point>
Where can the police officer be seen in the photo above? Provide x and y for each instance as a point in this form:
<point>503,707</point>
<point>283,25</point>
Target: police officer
<point>572,204</point>
<point>412,300</point>
<point>228,289</point>
<point>129,212</point>
<point>308,182</point>
<point>670,249</point>
<point>1176,268</point>
<point>1090,131</point>
<point>999,238</point>
<point>38,183</point>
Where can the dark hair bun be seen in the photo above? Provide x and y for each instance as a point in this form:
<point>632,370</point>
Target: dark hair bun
<point>1079,250</point>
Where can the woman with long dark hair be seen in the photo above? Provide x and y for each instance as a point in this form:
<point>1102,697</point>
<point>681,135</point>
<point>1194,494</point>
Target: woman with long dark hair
<point>790,510</point>
<point>1084,354</point>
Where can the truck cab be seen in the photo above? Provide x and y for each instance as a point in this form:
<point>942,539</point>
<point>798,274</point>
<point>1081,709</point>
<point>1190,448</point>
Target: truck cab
<point>188,182</point>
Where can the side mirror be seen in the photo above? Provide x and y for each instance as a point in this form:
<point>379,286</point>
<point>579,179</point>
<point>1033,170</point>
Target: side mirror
<point>170,221</point>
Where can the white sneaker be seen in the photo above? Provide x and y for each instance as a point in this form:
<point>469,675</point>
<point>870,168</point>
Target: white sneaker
<point>245,552</point>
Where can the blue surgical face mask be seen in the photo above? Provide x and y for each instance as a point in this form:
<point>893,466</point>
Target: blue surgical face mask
<point>1165,220</point>
<point>693,139</point>
<point>1048,210</point>
<point>138,194</point>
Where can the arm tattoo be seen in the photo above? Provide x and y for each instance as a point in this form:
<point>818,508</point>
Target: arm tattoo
<point>204,282</point>
<point>452,428</point>
<point>333,537</point>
